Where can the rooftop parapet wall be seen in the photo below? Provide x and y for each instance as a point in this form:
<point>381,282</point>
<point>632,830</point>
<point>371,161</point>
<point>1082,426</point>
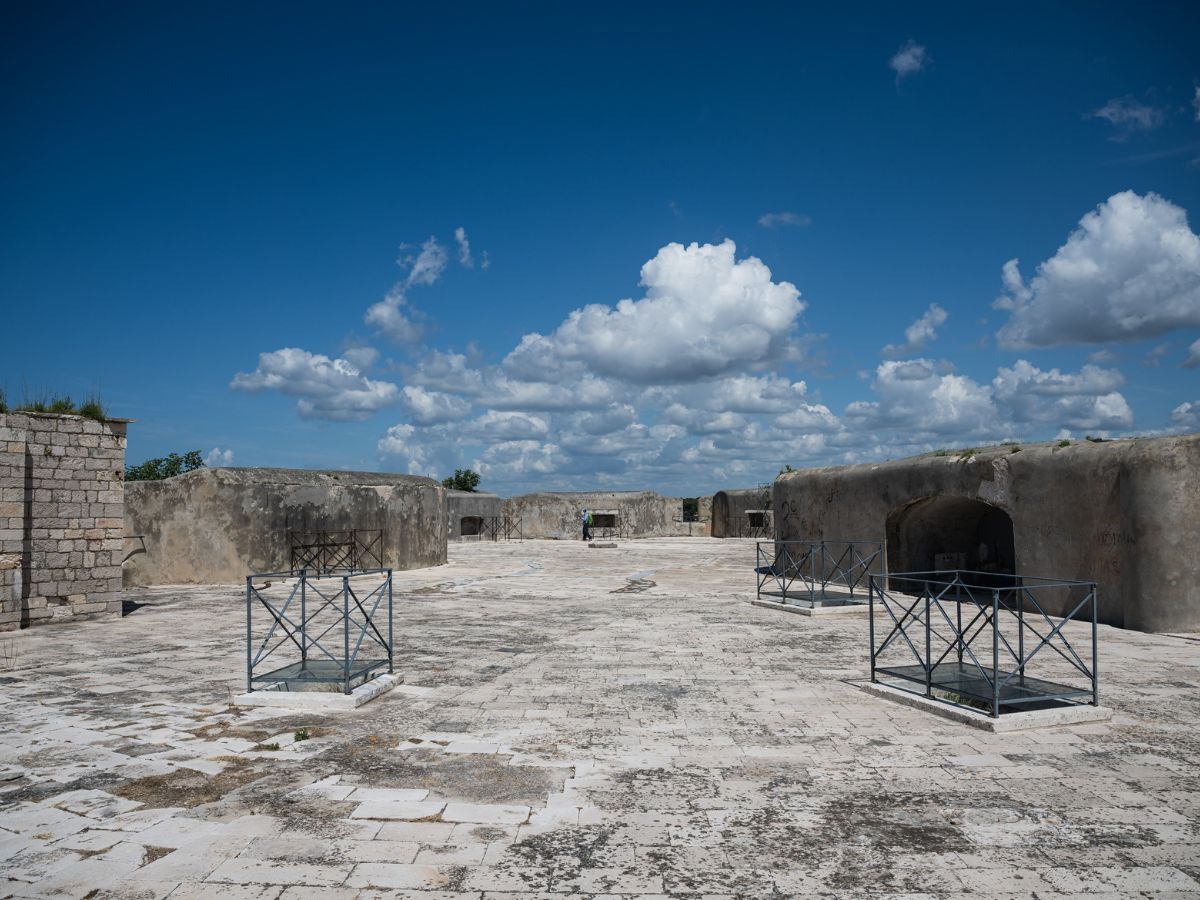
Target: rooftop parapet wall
<point>61,517</point>
<point>216,526</point>
<point>558,515</point>
<point>471,505</point>
<point>1125,514</point>
<point>731,505</point>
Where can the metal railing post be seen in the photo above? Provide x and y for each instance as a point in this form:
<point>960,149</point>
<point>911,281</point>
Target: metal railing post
<point>1095,649</point>
<point>959,631</point>
<point>249,641</point>
<point>928,646</point>
<point>1021,632</point>
<point>303,620</point>
<point>871,621</point>
<point>995,654</point>
<point>346,631</point>
<point>391,667</point>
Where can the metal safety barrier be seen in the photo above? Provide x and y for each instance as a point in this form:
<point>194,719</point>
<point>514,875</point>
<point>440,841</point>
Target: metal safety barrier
<point>329,628</point>
<point>969,638</point>
<point>809,571</point>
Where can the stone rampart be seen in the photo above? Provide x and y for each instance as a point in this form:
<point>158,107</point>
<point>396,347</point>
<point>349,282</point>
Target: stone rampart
<point>1124,513</point>
<point>216,526</point>
<point>638,514</point>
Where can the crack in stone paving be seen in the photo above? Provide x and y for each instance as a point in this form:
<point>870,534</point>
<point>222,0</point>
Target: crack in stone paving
<point>556,735</point>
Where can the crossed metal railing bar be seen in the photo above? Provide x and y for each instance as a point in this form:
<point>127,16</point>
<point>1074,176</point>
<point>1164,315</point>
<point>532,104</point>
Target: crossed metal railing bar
<point>500,528</point>
<point>363,628</point>
<point>349,550</point>
<point>1016,600</point>
<point>815,566</point>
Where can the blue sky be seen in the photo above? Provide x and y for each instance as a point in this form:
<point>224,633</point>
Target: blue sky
<point>244,226</point>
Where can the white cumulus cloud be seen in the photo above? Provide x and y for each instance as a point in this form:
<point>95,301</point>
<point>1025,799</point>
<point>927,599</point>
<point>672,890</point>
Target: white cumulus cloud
<point>388,316</point>
<point>399,442</point>
<point>499,425</point>
<point>513,459</point>
<point>705,313</point>
<point>1193,357</point>
<point>919,333</point>
<point>432,407</point>
<point>1187,416</point>
<point>1086,399</point>
<point>910,59</point>
<point>327,388</point>
<point>1130,271</point>
<point>218,457</point>
<point>915,395</point>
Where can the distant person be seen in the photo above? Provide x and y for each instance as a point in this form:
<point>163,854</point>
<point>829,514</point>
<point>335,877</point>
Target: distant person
<point>587,525</point>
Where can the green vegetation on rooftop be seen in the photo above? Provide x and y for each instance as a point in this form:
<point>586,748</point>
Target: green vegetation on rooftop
<point>60,404</point>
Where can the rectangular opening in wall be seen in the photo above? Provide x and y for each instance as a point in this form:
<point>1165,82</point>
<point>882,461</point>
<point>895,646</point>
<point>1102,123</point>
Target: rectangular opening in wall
<point>604,520</point>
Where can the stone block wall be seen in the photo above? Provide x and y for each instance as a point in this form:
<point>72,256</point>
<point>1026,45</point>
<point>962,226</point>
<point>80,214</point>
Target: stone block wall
<point>62,522</point>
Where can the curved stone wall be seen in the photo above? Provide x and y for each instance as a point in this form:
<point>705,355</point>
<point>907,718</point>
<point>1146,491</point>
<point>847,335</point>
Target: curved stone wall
<point>730,506</point>
<point>216,526</point>
<point>1125,514</point>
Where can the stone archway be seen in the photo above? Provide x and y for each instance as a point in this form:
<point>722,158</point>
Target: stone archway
<point>945,532</point>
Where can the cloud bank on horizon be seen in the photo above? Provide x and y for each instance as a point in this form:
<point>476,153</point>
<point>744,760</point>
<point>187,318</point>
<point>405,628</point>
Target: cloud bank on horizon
<point>703,368</point>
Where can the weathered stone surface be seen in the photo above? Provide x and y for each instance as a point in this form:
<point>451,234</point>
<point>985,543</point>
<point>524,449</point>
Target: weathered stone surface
<point>640,514</point>
<point>220,525</point>
<point>1125,514</point>
<point>467,511</point>
<point>731,506</point>
<point>556,736</point>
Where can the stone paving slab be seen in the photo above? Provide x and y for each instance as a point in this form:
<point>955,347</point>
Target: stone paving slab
<point>600,725</point>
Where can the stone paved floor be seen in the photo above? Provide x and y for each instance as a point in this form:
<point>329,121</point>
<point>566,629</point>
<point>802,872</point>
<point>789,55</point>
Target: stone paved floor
<point>603,723</point>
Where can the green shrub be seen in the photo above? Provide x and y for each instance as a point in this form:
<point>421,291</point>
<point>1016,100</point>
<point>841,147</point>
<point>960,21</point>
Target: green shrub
<point>165,467</point>
<point>462,480</point>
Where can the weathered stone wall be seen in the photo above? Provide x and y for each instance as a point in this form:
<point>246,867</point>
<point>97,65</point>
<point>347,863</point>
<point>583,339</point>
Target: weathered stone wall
<point>702,527</point>
<point>731,505</point>
<point>216,526</point>
<point>460,504</point>
<point>1125,514</point>
<point>642,514</point>
<point>61,517</point>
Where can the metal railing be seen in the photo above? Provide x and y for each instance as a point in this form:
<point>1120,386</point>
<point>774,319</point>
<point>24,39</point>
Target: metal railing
<point>984,663</point>
<point>756,524</point>
<point>349,550</point>
<point>501,528</point>
<point>330,633</point>
<point>807,570</point>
